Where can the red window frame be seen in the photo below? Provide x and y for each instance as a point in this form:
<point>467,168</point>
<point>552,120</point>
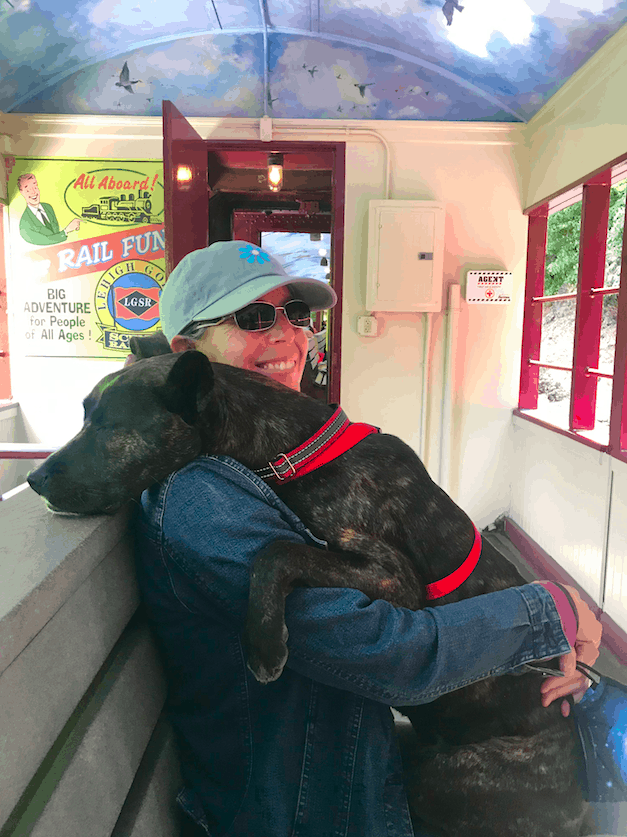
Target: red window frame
<point>594,191</point>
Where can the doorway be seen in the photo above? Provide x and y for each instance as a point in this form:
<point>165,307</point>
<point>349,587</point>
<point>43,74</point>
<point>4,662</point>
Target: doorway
<point>224,195</point>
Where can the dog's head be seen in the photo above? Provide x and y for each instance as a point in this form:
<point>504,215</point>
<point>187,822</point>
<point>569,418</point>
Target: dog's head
<point>140,425</point>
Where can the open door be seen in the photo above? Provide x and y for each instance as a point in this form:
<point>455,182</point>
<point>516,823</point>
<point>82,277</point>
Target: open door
<point>204,185</point>
<point>310,201</point>
<point>185,175</point>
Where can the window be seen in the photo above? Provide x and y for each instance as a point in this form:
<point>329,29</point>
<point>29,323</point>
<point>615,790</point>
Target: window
<point>574,350</point>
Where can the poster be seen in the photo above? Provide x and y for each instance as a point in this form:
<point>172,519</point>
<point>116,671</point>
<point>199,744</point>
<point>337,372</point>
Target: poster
<point>86,241</point>
<point>489,287</point>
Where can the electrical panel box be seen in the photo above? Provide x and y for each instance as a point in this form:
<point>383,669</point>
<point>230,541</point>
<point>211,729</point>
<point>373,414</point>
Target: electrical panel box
<point>405,256</point>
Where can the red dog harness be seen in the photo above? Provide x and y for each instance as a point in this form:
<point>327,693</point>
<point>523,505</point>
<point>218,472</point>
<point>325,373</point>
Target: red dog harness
<point>332,440</point>
<point>451,582</point>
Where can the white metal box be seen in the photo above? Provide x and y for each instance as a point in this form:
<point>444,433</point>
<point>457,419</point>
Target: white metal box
<point>405,256</point>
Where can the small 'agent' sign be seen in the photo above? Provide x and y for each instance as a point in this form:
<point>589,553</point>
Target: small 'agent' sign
<point>489,287</point>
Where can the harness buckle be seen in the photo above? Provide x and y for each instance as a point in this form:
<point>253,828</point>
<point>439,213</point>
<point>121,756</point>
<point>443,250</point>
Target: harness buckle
<point>276,473</point>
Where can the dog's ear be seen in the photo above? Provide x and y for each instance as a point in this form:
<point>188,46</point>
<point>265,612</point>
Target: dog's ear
<point>150,345</point>
<point>188,386</point>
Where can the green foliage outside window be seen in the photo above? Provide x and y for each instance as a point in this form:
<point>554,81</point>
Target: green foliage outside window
<point>562,246</point>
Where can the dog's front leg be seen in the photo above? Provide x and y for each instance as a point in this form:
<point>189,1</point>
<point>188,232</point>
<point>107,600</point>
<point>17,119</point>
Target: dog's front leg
<point>284,565</point>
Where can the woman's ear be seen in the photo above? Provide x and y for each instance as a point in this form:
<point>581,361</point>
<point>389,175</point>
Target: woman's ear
<point>182,344</point>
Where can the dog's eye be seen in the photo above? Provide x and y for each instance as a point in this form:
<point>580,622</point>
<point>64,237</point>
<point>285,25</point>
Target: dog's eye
<point>105,429</point>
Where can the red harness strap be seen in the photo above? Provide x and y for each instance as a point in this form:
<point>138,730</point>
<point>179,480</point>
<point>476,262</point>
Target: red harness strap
<point>332,440</point>
<point>451,582</point>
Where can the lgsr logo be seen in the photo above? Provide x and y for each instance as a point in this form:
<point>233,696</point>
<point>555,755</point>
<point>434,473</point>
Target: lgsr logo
<point>127,301</point>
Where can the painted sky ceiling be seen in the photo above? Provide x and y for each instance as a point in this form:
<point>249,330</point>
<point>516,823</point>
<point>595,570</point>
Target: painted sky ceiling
<point>457,60</point>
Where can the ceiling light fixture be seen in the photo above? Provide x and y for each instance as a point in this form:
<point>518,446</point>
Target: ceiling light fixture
<point>275,172</point>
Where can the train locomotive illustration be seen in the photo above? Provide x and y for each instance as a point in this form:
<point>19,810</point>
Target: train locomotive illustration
<point>123,208</point>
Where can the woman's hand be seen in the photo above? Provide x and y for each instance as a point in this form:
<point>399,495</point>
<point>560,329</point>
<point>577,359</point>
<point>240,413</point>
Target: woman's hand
<point>586,650</point>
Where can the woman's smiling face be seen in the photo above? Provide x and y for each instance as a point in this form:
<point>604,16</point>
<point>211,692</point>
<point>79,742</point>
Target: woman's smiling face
<point>280,352</point>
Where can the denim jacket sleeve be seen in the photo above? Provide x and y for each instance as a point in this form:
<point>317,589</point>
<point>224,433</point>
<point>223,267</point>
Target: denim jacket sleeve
<point>214,516</point>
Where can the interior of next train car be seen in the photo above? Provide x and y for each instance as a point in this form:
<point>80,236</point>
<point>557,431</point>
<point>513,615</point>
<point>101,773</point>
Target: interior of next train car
<point>456,173</point>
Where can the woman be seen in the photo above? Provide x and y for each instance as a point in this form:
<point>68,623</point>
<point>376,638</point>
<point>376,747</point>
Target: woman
<point>313,753</point>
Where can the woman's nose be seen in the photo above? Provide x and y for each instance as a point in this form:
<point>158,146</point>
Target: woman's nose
<point>282,329</point>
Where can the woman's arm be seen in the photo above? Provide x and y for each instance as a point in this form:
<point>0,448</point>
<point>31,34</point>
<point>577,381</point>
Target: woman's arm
<point>217,516</point>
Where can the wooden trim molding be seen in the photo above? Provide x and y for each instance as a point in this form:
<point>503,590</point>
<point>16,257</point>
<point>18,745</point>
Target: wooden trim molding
<point>86,136</point>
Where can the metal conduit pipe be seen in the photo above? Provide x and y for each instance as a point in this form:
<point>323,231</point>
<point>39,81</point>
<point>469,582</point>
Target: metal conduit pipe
<point>448,390</point>
<point>347,131</point>
<point>424,389</point>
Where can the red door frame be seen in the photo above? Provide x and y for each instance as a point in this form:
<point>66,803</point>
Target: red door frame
<point>248,224</point>
<point>186,209</point>
<point>187,205</point>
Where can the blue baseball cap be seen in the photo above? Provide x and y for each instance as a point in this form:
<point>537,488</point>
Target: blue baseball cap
<point>228,275</point>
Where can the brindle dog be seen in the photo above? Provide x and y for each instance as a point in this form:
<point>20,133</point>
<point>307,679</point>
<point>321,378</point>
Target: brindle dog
<point>491,761</point>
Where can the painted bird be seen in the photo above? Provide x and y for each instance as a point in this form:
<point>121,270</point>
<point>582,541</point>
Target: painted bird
<point>125,79</point>
<point>448,8</point>
<point>362,88</point>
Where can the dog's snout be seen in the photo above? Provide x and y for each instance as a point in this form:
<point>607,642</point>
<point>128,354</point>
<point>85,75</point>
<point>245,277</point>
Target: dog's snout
<point>37,481</point>
<point>40,477</point>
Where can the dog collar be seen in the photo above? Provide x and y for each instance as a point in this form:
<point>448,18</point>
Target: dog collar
<point>332,440</point>
<point>451,582</point>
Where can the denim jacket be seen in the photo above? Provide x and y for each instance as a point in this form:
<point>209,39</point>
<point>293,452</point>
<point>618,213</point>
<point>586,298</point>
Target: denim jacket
<point>312,754</point>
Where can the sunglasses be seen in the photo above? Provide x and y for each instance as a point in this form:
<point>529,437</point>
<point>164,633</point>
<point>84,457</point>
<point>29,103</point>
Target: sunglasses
<point>258,316</point>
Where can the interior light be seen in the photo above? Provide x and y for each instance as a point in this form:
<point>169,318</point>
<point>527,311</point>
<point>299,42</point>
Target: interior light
<point>275,172</point>
<point>183,174</point>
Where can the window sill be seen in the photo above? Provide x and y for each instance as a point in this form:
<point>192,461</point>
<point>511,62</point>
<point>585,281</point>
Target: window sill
<point>588,439</point>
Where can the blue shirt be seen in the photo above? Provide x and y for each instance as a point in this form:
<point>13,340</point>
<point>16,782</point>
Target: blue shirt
<point>312,754</point>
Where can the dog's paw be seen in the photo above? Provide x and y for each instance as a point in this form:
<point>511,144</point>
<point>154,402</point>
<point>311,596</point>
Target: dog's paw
<point>267,673</point>
<point>266,654</point>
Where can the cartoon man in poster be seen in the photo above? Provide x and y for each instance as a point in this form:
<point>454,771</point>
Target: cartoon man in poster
<point>38,224</point>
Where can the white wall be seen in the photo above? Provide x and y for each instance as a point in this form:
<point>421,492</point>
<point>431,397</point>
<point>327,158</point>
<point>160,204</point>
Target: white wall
<point>473,169</point>
<point>559,497</point>
<point>568,497</point>
<point>582,127</point>
<point>615,601</point>
<point>12,471</point>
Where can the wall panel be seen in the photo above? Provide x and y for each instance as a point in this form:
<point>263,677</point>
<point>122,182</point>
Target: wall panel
<point>560,495</point>
<point>616,579</point>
